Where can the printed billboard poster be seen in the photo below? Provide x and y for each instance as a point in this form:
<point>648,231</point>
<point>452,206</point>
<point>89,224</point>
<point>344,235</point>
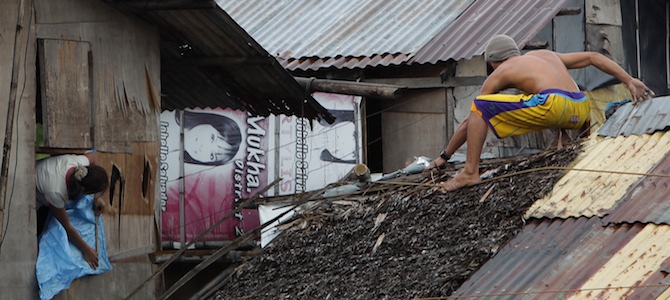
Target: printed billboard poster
<point>313,154</point>
<point>222,159</point>
<point>227,156</point>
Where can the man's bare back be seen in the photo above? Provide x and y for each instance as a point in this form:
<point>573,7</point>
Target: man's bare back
<point>534,72</point>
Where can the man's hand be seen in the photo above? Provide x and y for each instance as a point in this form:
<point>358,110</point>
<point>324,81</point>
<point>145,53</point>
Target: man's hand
<point>435,164</point>
<point>639,91</point>
<point>98,206</point>
<point>91,257</point>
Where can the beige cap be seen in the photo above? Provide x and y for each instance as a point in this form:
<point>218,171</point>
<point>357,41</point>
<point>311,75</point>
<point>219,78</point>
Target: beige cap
<point>500,47</point>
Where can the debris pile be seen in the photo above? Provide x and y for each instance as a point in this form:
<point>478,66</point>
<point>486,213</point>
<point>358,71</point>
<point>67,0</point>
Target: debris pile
<point>398,240</point>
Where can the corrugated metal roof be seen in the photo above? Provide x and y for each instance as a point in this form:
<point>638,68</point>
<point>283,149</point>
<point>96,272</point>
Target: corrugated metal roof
<point>645,117</point>
<point>467,36</point>
<point>309,35</point>
<point>347,28</point>
<point>208,60</point>
<point>343,33</point>
<point>581,193</point>
<point>576,259</point>
<point>647,201</point>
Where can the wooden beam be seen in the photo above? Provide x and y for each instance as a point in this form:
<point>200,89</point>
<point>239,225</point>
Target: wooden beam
<point>569,11</point>
<point>536,45</point>
<point>384,90</point>
<point>374,90</point>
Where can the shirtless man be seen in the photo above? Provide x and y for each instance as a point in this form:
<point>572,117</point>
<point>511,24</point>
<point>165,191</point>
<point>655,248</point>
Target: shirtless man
<point>551,99</point>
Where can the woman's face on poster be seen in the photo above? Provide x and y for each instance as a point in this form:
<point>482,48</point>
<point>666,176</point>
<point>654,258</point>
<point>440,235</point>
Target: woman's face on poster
<point>205,144</point>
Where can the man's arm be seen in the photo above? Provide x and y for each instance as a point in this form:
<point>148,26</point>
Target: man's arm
<point>73,236</point>
<point>496,81</point>
<point>638,90</point>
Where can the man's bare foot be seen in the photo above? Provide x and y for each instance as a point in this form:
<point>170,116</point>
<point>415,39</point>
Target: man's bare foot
<point>460,180</point>
<point>561,138</point>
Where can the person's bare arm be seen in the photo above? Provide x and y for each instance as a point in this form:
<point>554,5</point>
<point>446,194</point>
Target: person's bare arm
<point>73,236</point>
<point>497,81</point>
<point>92,157</point>
<point>638,90</point>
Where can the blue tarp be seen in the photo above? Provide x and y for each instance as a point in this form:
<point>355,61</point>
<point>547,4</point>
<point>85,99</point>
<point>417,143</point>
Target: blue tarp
<point>60,262</point>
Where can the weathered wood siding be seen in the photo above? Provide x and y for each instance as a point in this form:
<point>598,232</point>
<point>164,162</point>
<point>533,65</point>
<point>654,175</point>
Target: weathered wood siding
<point>100,81</point>
<point>65,92</point>
<point>125,64</point>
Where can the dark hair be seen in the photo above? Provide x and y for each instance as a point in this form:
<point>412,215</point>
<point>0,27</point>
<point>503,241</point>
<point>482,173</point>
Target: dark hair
<point>96,180</point>
<point>224,125</point>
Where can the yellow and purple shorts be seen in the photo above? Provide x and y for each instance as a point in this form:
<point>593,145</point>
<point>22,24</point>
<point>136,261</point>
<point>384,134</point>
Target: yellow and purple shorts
<point>510,115</point>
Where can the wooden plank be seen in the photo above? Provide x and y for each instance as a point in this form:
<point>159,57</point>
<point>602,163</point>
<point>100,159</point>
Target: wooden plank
<point>450,107</point>
<point>127,79</point>
<point>128,219</point>
<point>139,181</point>
<point>569,11</point>
<point>66,94</point>
<point>127,112</point>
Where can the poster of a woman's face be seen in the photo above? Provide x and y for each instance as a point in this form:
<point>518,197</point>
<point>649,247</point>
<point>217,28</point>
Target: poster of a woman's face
<point>202,187</point>
<point>209,139</point>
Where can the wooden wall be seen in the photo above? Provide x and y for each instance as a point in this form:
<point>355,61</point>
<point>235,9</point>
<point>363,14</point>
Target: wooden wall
<point>18,244</point>
<point>100,88</point>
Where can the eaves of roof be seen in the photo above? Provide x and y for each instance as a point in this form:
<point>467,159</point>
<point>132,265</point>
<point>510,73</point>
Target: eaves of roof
<point>208,60</point>
<point>577,259</point>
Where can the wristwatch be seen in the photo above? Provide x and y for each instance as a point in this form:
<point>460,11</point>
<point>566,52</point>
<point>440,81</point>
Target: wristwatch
<point>445,156</point>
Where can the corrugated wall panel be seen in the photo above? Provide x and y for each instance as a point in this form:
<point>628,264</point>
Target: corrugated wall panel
<point>580,193</point>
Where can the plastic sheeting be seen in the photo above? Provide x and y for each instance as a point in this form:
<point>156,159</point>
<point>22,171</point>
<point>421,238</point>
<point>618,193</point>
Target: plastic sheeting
<point>60,262</point>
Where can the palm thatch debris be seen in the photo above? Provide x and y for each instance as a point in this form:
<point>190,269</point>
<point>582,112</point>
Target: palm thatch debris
<point>396,241</point>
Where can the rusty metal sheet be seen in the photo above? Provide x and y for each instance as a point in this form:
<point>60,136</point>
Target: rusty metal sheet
<point>468,34</point>
<point>575,259</point>
<point>363,33</point>
<point>588,193</point>
<point>644,118</point>
<point>648,200</point>
<point>642,257</point>
<point>344,33</point>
